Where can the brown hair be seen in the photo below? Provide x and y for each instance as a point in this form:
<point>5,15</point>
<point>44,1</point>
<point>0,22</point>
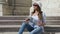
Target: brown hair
<point>40,13</point>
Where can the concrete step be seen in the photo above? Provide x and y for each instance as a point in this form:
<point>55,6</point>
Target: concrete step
<point>15,28</point>
<point>11,22</point>
<point>53,17</point>
<point>10,28</point>
<point>53,22</point>
<point>23,33</point>
<point>23,17</point>
<point>19,22</point>
<point>13,17</point>
<point>13,32</point>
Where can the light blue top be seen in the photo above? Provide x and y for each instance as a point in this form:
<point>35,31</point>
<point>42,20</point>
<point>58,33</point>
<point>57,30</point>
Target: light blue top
<point>35,19</point>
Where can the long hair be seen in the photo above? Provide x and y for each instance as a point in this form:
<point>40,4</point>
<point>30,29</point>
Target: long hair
<point>40,13</point>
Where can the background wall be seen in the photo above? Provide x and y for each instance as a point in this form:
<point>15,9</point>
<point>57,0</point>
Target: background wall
<point>1,10</point>
<point>50,7</point>
<point>1,13</point>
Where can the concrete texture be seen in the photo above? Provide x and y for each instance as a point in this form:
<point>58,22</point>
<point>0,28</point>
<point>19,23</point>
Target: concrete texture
<point>1,13</point>
<point>50,7</point>
<point>17,33</point>
<point>21,7</point>
<point>13,32</point>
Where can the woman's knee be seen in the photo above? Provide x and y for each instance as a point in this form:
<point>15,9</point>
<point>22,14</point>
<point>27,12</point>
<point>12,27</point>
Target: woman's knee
<point>36,30</point>
<point>24,24</point>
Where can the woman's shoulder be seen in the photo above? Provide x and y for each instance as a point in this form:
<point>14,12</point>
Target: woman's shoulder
<point>43,13</point>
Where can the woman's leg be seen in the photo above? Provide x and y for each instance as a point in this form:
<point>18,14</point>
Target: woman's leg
<point>22,28</point>
<point>24,25</point>
<point>37,30</point>
<point>29,28</point>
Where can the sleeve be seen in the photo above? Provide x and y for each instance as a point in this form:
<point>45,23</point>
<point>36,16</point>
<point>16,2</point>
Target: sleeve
<point>44,18</point>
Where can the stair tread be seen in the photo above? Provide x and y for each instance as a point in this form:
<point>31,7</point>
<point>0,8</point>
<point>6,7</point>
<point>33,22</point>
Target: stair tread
<point>15,16</point>
<point>9,26</point>
<point>23,17</point>
<point>17,26</point>
<point>13,32</point>
<point>24,20</point>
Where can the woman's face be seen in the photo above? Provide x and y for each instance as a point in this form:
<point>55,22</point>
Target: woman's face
<point>35,6</point>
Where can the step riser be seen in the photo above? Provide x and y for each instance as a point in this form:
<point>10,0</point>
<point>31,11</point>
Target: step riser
<point>47,29</point>
<point>12,18</point>
<point>20,22</point>
<point>13,22</point>
<point>22,18</point>
<point>9,29</point>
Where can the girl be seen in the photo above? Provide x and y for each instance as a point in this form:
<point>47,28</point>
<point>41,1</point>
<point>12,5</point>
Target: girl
<point>34,24</point>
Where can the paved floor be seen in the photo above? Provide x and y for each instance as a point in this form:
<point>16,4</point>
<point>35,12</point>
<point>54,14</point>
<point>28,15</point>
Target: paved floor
<point>58,33</point>
<point>17,33</point>
<point>12,33</point>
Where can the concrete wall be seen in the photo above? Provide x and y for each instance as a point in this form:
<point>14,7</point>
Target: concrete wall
<point>1,10</point>
<point>51,7</point>
<point>1,7</point>
<point>21,8</point>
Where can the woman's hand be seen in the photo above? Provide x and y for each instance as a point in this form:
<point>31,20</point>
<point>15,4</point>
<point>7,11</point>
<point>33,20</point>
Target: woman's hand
<point>26,20</point>
<point>39,23</point>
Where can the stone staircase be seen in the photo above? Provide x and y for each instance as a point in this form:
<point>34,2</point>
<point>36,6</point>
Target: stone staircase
<point>12,23</point>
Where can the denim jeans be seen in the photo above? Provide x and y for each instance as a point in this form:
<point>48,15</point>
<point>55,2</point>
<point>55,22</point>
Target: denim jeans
<point>31,30</point>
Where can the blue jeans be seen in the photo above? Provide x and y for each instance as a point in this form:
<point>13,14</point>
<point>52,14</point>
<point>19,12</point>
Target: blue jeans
<point>32,30</point>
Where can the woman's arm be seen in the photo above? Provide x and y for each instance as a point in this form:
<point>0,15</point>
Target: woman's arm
<point>44,19</point>
<point>40,23</point>
<point>43,22</point>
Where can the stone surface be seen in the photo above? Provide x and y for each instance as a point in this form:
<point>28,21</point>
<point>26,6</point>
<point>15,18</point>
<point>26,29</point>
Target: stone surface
<point>1,13</point>
<point>17,33</point>
<point>50,7</point>
<point>12,33</point>
<point>24,2</point>
<point>21,8</point>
